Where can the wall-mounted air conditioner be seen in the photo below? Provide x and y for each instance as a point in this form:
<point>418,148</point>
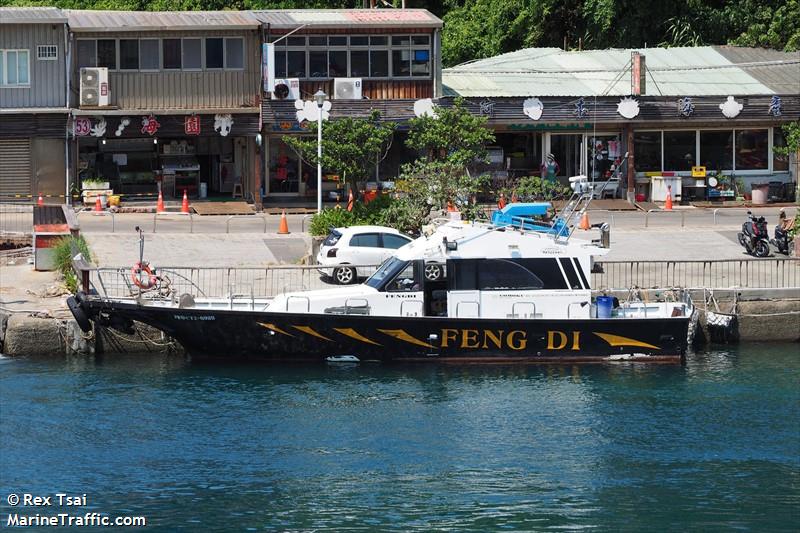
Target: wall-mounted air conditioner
<point>286,89</point>
<point>347,88</point>
<point>94,87</point>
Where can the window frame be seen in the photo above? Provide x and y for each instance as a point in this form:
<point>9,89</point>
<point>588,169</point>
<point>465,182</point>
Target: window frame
<point>160,55</point>
<point>202,54</point>
<point>138,56</point>
<point>46,48</point>
<point>225,53</point>
<point>4,73</point>
<point>205,54</point>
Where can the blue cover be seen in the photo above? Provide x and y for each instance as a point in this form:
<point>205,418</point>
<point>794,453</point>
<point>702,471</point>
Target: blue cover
<point>523,214</point>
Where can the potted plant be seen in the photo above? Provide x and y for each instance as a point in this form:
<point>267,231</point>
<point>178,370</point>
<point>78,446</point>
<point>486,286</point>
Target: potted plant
<point>93,184</point>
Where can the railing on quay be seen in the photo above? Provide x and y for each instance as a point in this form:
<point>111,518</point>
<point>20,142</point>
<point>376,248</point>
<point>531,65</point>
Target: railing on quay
<point>772,273</point>
<point>16,218</point>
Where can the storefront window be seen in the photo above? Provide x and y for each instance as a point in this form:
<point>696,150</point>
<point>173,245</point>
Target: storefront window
<point>752,149</point>
<point>680,153</point>
<point>780,162</point>
<point>283,168</point>
<point>647,151</point>
<point>603,155</point>
<point>716,150</point>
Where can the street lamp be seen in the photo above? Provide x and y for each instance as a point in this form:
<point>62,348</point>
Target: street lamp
<point>319,98</point>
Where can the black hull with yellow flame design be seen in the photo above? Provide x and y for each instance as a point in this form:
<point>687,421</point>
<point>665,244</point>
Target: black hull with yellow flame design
<point>243,335</point>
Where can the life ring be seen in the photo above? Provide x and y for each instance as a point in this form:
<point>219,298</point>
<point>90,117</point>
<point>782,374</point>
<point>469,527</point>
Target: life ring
<point>136,272</point>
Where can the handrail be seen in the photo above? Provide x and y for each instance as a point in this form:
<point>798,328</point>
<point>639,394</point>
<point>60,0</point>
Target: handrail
<point>228,221</point>
<point>99,213</point>
<point>348,306</point>
<point>421,304</point>
<point>303,223</point>
<point>296,297</point>
<point>514,309</point>
<point>458,304</point>
<point>647,215</point>
<point>191,219</point>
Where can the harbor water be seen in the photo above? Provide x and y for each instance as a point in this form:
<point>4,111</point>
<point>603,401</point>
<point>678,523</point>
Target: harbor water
<point>710,446</point>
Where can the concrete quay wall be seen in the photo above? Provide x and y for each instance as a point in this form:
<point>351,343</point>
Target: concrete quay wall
<point>764,315</point>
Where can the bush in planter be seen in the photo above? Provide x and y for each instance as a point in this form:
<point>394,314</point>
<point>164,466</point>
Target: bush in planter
<point>94,184</point>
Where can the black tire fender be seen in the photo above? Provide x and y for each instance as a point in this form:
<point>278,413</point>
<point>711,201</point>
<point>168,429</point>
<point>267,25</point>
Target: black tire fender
<point>79,313</point>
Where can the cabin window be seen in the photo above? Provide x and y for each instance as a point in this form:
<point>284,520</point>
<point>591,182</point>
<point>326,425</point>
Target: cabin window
<point>379,63</point>
<point>192,54</point>
<point>47,52</point>
<point>404,281</point>
<point>107,53</point>
<point>359,40</point>
<point>505,274</point>
<point>172,53</point>
<point>215,58</point>
<point>318,64</point>
<point>234,53</point>
<point>129,54</point>
<point>149,58</point>
<point>401,63</point>
<point>359,63</point>
<point>15,68</point>
<point>337,63</point>
<point>386,271</point>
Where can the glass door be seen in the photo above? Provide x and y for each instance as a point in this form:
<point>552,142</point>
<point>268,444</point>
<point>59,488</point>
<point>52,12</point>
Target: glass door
<point>567,153</point>
<point>284,169</point>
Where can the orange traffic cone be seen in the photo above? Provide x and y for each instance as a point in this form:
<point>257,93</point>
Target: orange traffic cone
<point>584,224</point>
<point>185,203</point>
<point>451,208</point>
<point>501,203</point>
<point>160,203</point>
<point>40,201</point>
<point>514,198</point>
<point>98,207</point>
<point>283,229</point>
<point>668,203</point>
<point>350,201</point>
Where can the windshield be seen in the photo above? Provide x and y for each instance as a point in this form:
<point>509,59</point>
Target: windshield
<point>387,270</point>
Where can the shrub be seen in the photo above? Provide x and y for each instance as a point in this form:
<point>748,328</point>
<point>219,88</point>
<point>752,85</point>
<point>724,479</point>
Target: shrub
<point>331,218</point>
<point>63,259</point>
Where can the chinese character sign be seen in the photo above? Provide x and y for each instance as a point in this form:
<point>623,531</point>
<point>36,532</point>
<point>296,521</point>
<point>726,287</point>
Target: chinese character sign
<point>83,126</point>
<point>580,108</point>
<point>150,125</point>
<point>775,106</point>
<point>685,107</point>
<point>191,125</point>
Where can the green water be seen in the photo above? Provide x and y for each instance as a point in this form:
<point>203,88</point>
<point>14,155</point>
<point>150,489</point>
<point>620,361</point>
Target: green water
<point>710,446</point>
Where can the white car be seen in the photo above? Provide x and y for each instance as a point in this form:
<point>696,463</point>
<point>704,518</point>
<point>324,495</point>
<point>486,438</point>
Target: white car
<point>357,245</point>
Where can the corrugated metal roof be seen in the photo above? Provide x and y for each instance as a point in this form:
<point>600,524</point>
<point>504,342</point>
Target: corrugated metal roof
<point>31,15</point>
<point>783,79</point>
<point>348,18</point>
<point>115,21</point>
<point>696,71</point>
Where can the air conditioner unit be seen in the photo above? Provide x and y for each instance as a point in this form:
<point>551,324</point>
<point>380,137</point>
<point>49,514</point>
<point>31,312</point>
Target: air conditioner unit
<point>94,87</point>
<point>286,89</point>
<point>347,88</point>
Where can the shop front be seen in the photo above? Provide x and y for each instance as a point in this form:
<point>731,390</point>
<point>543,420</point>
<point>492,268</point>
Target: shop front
<point>139,155</point>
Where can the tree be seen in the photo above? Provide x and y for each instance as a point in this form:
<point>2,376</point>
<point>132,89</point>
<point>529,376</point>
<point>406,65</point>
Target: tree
<point>350,146</point>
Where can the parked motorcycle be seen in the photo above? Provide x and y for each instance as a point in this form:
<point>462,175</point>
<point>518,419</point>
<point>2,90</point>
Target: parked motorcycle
<point>755,236</point>
<point>782,241</point>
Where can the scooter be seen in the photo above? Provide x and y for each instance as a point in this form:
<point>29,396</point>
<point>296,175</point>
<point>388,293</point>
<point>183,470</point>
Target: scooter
<point>755,236</point>
<point>781,240</point>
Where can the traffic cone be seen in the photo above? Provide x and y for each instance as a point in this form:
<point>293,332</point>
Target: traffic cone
<point>668,203</point>
<point>514,198</point>
<point>584,224</point>
<point>98,207</point>
<point>501,203</point>
<point>40,201</point>
<point>185,203</point>
<point>160,203</point>
<point>283,229</point>
<point>451,208</point>
<point>350,201</point>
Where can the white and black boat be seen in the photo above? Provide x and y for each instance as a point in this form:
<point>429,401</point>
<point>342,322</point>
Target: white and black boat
<point>462,292</point>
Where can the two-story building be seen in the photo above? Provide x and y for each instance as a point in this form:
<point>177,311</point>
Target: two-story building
<point>33,102</point>
<point>166,100</point>
<point>363,60</point>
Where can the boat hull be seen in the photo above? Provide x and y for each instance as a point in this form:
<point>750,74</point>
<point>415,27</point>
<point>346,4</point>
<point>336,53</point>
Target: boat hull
<point>301,337</point>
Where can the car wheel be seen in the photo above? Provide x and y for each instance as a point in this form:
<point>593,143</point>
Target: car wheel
<point>344,275</point>
<point>433,272</point>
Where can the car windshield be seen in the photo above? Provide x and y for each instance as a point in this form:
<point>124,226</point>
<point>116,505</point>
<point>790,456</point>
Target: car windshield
<point>332,238</point>
<point>387,270</point>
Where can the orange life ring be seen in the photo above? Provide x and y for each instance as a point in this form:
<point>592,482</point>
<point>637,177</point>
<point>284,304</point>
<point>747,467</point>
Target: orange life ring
<point>136,272</point>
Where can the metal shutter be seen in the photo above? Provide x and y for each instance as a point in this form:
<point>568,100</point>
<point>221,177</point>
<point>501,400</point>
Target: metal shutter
<point>15,167</point>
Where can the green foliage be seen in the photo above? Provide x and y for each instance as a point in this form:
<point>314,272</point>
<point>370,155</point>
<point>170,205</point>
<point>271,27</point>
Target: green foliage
<point>331,217</point>
<point>454,135</point>
<point>534,188</point>
<point>791,134</point>
<point>351,147</point>
<point>63,259</point>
